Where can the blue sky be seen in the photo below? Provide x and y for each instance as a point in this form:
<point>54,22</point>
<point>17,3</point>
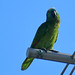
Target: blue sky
<point>19,21</point>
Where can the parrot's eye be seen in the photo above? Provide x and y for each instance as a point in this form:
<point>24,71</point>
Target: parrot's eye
<point>52,11</point>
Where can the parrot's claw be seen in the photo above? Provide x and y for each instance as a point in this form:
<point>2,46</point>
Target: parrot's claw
<point>39,54</point>
<point>54,51</point>
<point>44,49</point>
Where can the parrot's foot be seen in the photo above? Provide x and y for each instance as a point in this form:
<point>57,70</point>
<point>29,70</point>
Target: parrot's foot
<point>39,55</point>
<point>44,49</point>
<point>54,51</point>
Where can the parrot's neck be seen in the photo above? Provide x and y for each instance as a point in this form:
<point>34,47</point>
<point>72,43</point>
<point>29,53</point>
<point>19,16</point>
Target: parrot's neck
<point>53,20</point>
<point>53,24</point>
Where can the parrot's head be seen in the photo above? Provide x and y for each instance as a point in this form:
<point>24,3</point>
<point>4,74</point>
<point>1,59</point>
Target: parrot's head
<point>52,15</point>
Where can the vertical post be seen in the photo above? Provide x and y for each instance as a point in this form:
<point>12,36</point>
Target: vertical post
<point>73,57</point>
<point>64,69</point>
<point>72,70</point>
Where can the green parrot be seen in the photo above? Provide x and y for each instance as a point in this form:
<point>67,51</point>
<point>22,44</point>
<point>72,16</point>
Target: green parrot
<point>46,35</point>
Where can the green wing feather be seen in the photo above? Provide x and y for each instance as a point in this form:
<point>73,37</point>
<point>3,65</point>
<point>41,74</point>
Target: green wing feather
<point>39,34</point>
<point>26,63</point>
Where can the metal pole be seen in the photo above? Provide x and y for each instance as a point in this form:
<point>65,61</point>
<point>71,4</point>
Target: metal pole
<point>64,69</point>
<point>49,55</point>
<point>72,70</point>
<point>54,56</point>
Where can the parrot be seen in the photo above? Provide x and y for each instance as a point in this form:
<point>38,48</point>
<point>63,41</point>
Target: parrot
<point>45,36</point>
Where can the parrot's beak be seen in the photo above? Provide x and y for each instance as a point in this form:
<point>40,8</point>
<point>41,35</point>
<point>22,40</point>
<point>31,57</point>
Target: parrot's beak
<point>54,13</point>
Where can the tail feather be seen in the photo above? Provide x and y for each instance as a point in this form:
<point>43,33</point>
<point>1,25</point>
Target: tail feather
<point>26,63</point>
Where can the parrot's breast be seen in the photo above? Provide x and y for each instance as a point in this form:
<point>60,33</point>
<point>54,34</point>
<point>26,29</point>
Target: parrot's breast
<point>47,40</point>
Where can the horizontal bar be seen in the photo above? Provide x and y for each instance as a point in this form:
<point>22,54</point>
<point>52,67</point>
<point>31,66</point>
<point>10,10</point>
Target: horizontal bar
<point>49,55</point>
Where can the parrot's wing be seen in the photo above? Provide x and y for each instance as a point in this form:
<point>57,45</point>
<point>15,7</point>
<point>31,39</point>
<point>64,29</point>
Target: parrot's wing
<point>39,34</point>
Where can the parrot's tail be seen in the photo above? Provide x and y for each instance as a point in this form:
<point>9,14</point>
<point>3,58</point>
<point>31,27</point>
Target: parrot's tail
<point>26,63</point>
